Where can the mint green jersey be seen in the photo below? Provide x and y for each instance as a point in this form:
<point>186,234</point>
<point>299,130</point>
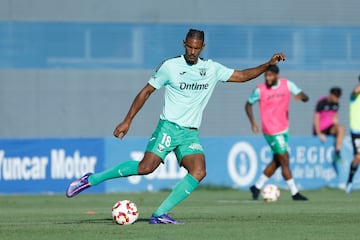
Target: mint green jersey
<point>188,88</point>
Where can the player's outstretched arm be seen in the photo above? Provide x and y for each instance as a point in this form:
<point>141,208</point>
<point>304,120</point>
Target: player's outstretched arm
<point>139,101</point>
<point>250,115</point>
<point>251,73</point>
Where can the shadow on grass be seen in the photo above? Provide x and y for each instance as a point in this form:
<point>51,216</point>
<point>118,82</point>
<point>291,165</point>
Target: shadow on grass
<point>97,221</point>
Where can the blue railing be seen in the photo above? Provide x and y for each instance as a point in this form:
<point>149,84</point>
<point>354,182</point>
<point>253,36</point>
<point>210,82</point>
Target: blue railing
<point>144,46</point>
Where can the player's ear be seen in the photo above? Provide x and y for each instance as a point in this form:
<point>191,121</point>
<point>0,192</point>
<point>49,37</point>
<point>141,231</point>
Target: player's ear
<point>184,43</point>
<point>203,46</point>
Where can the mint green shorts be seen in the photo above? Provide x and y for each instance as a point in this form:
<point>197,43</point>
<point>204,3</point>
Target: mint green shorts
<point>169,137</point>
<point>278,142</point>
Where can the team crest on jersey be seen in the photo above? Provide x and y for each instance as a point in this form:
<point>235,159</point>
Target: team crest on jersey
<point>202,72</point>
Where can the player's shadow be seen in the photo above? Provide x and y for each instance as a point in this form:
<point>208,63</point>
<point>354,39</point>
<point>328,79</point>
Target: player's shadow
<point>99,220</point>
<point>88,221</point>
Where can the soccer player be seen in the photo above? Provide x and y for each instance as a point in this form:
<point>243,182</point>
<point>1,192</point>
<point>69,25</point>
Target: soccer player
<point>326,121</point>
<point>355,133</point>
<point>274,98</point>
<point>189,82</point>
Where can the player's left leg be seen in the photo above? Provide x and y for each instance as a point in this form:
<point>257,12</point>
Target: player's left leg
<point>191,156</point>
<point>286,172</point>
<point>338,131</point>
<point>195,164</point>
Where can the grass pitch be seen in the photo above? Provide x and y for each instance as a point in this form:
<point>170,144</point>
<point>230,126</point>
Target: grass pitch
<point>209,214</point>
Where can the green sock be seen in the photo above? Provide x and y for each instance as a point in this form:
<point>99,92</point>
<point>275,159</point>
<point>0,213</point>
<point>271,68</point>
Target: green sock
<point>181,191</point>
<point>124,169</point>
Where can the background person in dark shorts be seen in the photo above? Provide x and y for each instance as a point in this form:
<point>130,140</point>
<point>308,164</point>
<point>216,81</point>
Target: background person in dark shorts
<point>326,121</point>
<point>355,133</point>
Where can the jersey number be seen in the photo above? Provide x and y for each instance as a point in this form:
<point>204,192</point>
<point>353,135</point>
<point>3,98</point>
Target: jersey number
<point>281,140</point>
<point>166,140</point>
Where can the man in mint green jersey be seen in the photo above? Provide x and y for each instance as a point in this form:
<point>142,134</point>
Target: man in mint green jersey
<point>189,82</point>
<point>355,134</point>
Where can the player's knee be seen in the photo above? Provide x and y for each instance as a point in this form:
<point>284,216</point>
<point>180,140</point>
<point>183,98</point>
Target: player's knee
<point>146,168</point>
<point>199,173</point>
<point>341,129</point>
<point>283,160</point>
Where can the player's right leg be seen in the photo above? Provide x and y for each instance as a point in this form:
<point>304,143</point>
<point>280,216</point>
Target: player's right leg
<point>338,131</point>
<point>129,168</point>
<point>156,151</point>
<point>268,172</point>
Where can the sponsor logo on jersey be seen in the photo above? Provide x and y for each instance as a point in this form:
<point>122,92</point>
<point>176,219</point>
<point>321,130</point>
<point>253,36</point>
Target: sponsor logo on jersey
<point>194,86</point>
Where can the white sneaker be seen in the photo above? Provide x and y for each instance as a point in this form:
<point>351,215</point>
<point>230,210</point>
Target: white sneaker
<point>349,188</point>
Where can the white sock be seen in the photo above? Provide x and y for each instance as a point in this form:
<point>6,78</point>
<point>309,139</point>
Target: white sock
<point>292,186</point>
<point>261,181</point>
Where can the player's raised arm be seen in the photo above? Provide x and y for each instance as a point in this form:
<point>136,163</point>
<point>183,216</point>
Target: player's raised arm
<point>139,101</point>
<point>251,73</point>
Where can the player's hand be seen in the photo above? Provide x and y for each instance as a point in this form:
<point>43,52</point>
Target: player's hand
<point>255,128</point>
<point>322,137</point>
<point>121,129</point>
<point>276,58</point>
<point>298,97</point>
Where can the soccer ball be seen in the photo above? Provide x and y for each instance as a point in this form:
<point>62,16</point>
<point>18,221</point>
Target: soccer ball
<point>125,212</point>
<point>270,193</point>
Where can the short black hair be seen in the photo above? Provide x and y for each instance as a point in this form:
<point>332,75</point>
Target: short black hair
<point>196,34</point>
<point>336,91</point>
<point>273,68</point>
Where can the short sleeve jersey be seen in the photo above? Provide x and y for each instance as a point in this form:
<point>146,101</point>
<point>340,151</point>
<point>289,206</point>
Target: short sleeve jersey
<point>327,112</point>
<point>255,96</point>
<point>188,88</point>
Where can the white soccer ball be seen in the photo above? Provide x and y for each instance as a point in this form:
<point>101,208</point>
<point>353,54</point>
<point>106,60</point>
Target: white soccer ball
<point>125,212</point>
<point>270,193</point>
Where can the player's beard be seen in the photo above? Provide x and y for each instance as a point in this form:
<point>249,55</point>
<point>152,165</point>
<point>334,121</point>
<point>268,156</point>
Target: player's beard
<point>192,60</point>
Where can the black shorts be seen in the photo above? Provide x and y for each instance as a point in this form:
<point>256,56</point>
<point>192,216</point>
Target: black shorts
<point>356,142</point>
<point>326,131</point>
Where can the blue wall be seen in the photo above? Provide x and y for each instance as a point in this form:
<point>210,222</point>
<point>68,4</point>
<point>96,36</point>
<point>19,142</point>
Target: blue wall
<point>143,46</point>
<point>49,165</point>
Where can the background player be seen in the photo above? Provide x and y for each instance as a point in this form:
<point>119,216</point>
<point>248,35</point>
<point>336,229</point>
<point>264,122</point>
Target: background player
<point>326,120</point>
<point>189,82</point>
<point>355,133</point>
<point>274,98</point>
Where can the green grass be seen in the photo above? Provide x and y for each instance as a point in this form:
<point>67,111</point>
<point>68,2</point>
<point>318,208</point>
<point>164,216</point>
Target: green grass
<point>209,214</point>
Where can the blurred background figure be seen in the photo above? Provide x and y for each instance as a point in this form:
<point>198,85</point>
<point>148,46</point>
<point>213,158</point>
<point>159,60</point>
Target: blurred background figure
<point>326,120</point>
<point>355,133</point>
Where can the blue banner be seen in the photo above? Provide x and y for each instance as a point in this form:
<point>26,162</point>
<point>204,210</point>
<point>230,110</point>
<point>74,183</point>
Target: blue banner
<point>237,162</point>
<point>47,165</point>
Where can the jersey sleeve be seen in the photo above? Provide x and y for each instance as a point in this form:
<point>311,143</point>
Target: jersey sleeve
<point>295,90</point>
<point>223,73</point>
<point>254,97</point>
<point>160,77</point>
<point>319,106</point>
